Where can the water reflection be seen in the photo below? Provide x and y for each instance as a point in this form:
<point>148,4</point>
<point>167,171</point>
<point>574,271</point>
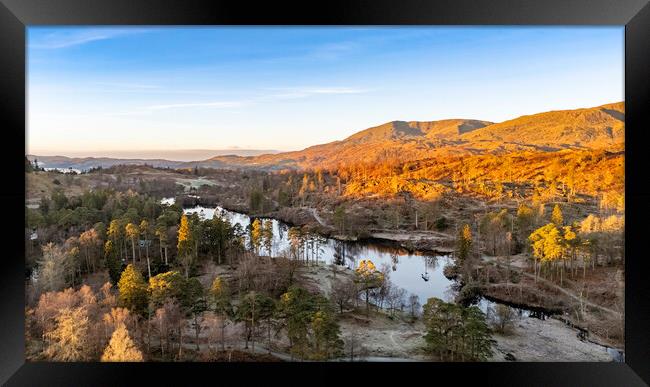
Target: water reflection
<point>407,268</point>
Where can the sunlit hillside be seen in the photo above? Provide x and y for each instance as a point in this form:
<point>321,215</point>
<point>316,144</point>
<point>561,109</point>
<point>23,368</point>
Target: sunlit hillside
<point>599,127</point>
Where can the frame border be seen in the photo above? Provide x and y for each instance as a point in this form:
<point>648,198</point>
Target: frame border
<point>16,15</point>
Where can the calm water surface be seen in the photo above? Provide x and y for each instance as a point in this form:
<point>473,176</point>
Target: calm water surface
<point>408,270</point>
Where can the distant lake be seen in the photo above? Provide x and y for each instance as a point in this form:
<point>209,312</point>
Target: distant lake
<point>63,170</point>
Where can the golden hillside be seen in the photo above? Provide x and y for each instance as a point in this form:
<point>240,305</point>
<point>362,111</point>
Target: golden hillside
<point>600,127</point>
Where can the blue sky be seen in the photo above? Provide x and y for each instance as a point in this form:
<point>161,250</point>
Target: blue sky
<point>100,89</point>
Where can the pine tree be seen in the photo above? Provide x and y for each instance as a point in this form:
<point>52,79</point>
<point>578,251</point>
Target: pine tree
<point>184,237</point>
<point>267,235</point>
<point>133,290</point>
<point>220,303</point>
<point>165,285</point>
<point>368,277</point>
<point>144,230</point>
<point>256,234</point>
<point>464,242</point>
<point>111,261</point>
<point>556,216</point>
<point>121,347</point>
<point>115,233</point>
<point>185,245</point>
<point>132,232</point>
<point>161,233</point>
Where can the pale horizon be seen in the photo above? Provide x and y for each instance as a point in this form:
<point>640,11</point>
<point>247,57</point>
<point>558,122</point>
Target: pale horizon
<point>103,91</point>
<point>152,154</point>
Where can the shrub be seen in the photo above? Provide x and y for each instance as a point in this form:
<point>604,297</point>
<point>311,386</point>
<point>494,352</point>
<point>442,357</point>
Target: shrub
<point>441,224</point>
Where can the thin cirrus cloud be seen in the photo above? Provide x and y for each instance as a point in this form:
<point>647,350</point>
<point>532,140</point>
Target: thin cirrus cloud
<point>124,85</point>
<point>279,95</point>
<point>334,50</point>
<point>217,105</point>
<point>65,39</point>
<point>289,93</point>
<point>303,92</point>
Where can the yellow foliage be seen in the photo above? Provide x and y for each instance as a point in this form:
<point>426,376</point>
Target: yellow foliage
<point>121,347</point>
<point>547,243</point>
<point>184,236</point>
<point>556,216</point>
<point>132,231</point>
<point>366,267</point>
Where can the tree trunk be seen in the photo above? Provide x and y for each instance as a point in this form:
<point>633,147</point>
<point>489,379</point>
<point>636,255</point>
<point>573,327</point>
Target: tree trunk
<point>223,338</point>
<point>253,326</point>
<point>197,330</point>
<point>160,336</point>
<point>269,328</point>
<point>133,246</point>
<point>149,333</point>
<point>180,340</point>
<point>367,302</point>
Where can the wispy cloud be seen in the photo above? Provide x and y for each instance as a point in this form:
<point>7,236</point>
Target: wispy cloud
<point>127,85</point>
<point>152,109</point>
<point>303,92</point>
<point>272,94</point>
<point>64,39</point>
<point>334,50</point>
<point>275,94</point>
<point>217,105</point>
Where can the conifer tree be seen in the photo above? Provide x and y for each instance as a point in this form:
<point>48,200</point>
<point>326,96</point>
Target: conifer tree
<point>133,290</point>
<point>115,233</point>
<point>267,235</point>
<point>220,303</point>
<point>256,234</point>
<point>556,216</point>
<point>184,237</point>
<point>121,347</point>
<point>111,261</point>
<point>144,230</point>
<point>132,232</point>
<point>464,242</point>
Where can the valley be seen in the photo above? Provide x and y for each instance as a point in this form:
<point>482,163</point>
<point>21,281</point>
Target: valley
<point>526,213</point>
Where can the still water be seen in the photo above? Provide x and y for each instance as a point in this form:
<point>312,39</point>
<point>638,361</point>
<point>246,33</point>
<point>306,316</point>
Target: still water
<point>417,273</point>
<point>407,270</point>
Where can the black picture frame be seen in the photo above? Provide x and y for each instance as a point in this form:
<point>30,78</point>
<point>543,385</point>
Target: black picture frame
<point>16,15</point>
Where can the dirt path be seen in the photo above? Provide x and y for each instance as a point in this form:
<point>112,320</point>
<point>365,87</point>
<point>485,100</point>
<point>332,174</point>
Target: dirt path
<point>314,212</point>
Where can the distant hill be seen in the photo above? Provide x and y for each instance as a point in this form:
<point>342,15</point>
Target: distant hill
<point>601,127</point>
<point>395,130</point>
<point>590,128</point>
<point>598,127</point>
<point>85,163</point>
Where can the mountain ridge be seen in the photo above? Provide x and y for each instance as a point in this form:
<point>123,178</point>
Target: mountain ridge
<point>586,128</point>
